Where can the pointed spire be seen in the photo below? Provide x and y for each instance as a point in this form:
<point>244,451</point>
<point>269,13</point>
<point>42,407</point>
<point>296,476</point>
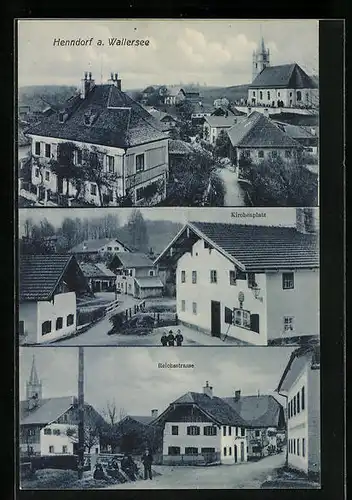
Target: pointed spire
<point>34,379</point>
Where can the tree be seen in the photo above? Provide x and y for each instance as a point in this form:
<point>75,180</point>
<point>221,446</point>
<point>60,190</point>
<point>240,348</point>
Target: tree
<point>66,169</point>
<point>278,183</point>
<point>184,110</point>
<point>222,145</point>
<point>137,230</point>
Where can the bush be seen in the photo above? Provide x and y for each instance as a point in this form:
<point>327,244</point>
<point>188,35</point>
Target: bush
<point>86,315</point>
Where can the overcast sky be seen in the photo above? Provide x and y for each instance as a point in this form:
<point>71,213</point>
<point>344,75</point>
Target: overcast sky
<point>273,216</point>
<point>131,378</point>
<point>215,52</point>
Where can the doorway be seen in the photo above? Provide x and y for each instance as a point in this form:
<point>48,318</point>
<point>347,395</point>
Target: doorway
<point>235,453</point>
<point>215,319</point>
<point>242,451</point>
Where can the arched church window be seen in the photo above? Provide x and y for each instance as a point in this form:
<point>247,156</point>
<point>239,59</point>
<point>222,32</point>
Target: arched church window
<point>299,95</point>
<point>260,95</point>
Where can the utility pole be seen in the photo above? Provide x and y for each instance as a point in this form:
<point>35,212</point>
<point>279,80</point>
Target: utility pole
<point>80,412</point>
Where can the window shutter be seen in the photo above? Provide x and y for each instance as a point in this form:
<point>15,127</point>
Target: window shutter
<point>228,315</point>
<point>54,151</point>
<point>255,323</point>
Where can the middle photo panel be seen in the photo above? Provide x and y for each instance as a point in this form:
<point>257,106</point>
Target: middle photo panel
<point>168,277</point>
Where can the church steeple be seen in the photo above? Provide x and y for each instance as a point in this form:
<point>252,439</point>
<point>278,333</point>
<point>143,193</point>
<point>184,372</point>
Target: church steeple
<point>261,58</point>
<point>34,385</point>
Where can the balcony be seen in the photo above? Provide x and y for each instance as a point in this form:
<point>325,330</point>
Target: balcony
<point>145,175</point>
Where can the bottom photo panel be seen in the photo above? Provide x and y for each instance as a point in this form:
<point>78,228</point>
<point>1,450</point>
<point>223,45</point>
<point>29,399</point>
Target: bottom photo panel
<point>145,418</point>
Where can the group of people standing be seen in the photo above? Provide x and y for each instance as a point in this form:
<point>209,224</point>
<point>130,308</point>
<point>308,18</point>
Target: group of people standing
<point>169,339</point>
<point>128,466</point>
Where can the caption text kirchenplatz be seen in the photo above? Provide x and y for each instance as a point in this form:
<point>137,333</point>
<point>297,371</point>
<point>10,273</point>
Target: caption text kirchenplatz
<point>112,42</point>
<point>251,215</point>
<point>175,365</point>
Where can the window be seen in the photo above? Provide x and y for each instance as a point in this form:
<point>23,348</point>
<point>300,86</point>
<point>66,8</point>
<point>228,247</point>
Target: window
<point>207,450</point>
<point>194,276</point>
<point>213,276</point>
<point>290,94</point>
<point>59,323</point>
<point>243,431</point>
<point>183,276</point>
<point>111,164</point>
<point>56,432</point>
<point>116,248</point>
<point>47,432</point>
<point>46,327</point>
<point>174,450</point>
<point>287,281</point>
<point>302,398</point>
<point>225,451</point>
<point>151,273</point>
<point>64,449</point>
<point>190,450</point>
<point>210,430</point>
<point>183,305</point>
<point>278,94</point>
<point>139,194</point>
<point>288,324</point>
<point>61,117</point>
<point>37,148</point>
<point>257,433</point>
<point>303,447</point>
<point>47,175</point>
<point>288,153</point>
<point>260,95</point>
<point>294,446</point>
<point>260,154</point>
<point>140,163</point>
<point>224,431</point>
<point>230,450</point>
<point>47,151</point>
<point>70,320</point>
<point>36,172</point>
<point>78,159</point>
<point>294,406</point>
<point>51,449</point>
<point>251,280</point>
<point>298,402</point>
<point>253,93</point>
<point>246,153</point>
<point>21,327</point>
<point>236,431</point>
<point>274,154</point>
<point>232,276</point>
<point>268,96</point>
<point>193,430</point>
<point>242,318</point>
<point>174,430</point>
<point>298,450</point>
<point>229,431</point>
<point>194,307</point>
<point>93,189</point>
<point>299,95</point>
<point>109,248</point>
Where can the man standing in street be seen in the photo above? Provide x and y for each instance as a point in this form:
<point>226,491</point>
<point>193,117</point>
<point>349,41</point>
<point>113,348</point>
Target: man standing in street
<point>171,339</point>
<point>147,460</point>
<point>164,339</point>
<point>179,338</point>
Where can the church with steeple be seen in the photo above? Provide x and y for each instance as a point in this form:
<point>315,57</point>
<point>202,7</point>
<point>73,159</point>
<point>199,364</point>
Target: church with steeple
<point>261,59</point>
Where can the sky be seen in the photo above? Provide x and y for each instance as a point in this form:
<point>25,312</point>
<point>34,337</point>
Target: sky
<point>212,52</point>
<point>130,377</point>
<point>265,216</point>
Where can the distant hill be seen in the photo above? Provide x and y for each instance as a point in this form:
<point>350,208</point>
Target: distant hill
<point>32,95</point>
<point>234,93</point>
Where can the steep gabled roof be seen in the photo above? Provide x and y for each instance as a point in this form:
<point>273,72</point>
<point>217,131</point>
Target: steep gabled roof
<point>290,76</point>
<point>259,131</point>
<point>119,121</point>
<point>142,419</point>
<point>149,282</point>
<point>298,359</point>
<point>91,270</point>
<point>222,121</point>
<point>93,245</point>
<point>253,248</point>
<point>179,147</point>
<point>133,259</point>
<point>47,411</point>
<point>258,411</point>
<point>41,274</point>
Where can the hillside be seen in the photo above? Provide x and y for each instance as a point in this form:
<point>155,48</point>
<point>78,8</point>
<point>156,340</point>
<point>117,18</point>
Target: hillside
<point>32,95</point>
<point>234,93</point>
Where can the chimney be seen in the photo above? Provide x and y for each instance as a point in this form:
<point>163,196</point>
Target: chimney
<point>154,413</point>
<point>86,84</point>
<point>306,220</point>
<point>237,395</point>
<point>208,390</point>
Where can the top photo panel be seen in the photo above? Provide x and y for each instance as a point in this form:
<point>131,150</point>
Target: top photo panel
<point>123,113</point>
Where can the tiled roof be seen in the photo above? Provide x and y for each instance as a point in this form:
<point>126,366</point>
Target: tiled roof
<point>94,245</point>
<point>202,108</point>
<point>289,76</point>
<point>176,146</point>
<point>145,420</point>
<point>173,91</point>
<point>258,248</point>
<point>259,131</point>
<point>160,115</point>
<point>298,131</point>
<point>47,411</point>
<point>134,259</point>
<point>120,121</point>
<point>215,407</point>
<point>221,121</point>
<point>91,270</point>
<point>149,282</point>
<point>257,411</point>
<point>40,275</point>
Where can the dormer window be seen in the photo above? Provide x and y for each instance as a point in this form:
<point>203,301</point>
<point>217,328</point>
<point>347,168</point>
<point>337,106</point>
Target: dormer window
<point>87,119</point>
<point>61,117</point>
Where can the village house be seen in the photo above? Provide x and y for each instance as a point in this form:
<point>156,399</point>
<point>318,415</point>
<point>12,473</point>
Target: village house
<point>266,418</point>
<point>49,426</point>
<point>214,125</point>
<point>257,138</point>
<point>251,283</point>
<point>200,111</point>
<point>100,148</point>
<point>134,432</point>
<point>168,122</point>
<point>307,136</point>
<point>174,95</point>
<point>178,151</point>
<point>99,248</point>
<point>49,285</point>
<point>99,277</point>
<point>200,428</point>
<point>136,275</point>
<point>300,384</point>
